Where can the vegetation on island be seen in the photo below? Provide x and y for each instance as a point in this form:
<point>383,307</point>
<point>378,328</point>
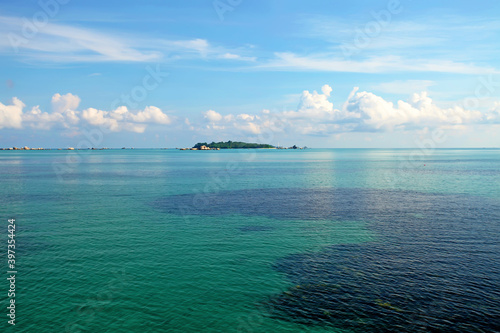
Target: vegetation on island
<point>232,145</point>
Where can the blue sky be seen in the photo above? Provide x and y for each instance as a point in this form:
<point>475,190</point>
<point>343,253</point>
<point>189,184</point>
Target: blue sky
<point>315,73</point>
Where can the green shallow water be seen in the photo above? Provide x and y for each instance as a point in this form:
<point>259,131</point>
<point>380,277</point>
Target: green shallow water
<point>95,254</point>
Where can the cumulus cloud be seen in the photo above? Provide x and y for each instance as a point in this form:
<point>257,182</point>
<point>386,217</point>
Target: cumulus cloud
<point>313,105</point>
<point>248,124</point>
<point>151,114</point>
<point>494,113</point>
<point>239,124</point>
<point>103,118</point>
<point>315,115</point>
<point>61,103</point>
<point>35,118</point>
<point>11,115</point>
<point>361,112</point>
<point>212,116</point>
<point>122,119</point>
<point>65,115</point>
<point>326,89</point>
<point>67,106</point>
<point>375,113</point>
<point>365,112</point>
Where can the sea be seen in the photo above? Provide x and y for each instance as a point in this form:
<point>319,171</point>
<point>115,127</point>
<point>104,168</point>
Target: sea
<point>258,240</point>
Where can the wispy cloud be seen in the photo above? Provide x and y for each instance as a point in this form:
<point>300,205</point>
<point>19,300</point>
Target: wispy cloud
<point>451,45</point>
<point>385,64</point>
<point>457,38</point>
<point>447,46</point>
<point>232,56</point>
<point>65,43</point>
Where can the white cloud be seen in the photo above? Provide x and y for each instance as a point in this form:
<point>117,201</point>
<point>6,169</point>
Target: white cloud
<point>151,114</point>
<point>326,89</point>
<point>494,113</point>
<point>11,115</point>
<point>313,105</point>
<point>213,116</point>
<point>246,117</point>
<point>449,44</point>
<point>249,127</point>
<point>315,115</point>
<point>237,124</point>
<point>361,112</point>
<point>447,37</point>
<point>66,105</point>
<point>61,103</point>
<point>198,45</point>
<point>64,43</point>
<point>67,43</point>
<point>121,119</point>
<point>65,115</point>
<point>375,113</point>
<point>232,56</point>
<point>289,61</point>
<point>102,118</point>
<point>37,119</point>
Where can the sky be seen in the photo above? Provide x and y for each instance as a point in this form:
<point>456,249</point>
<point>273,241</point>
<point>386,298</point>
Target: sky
<point>339,74</point>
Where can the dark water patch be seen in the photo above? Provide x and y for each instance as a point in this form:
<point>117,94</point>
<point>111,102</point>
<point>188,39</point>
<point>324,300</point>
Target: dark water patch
<point>380,287</point>
<point>435,268</point>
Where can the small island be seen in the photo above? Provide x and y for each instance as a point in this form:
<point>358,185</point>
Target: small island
<point>232,145</point>
<point>235,145</point>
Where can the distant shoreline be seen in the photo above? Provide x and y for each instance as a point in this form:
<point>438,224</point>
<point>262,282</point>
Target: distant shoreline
<point>123,148</point>
<point>174,148</point>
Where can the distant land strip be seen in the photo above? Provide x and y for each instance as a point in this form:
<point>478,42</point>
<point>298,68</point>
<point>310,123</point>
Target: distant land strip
<point>235,145</point>
<point>198,146</point>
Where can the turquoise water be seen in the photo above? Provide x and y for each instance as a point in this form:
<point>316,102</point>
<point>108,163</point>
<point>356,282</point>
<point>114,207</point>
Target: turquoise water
<point>318,240</point>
